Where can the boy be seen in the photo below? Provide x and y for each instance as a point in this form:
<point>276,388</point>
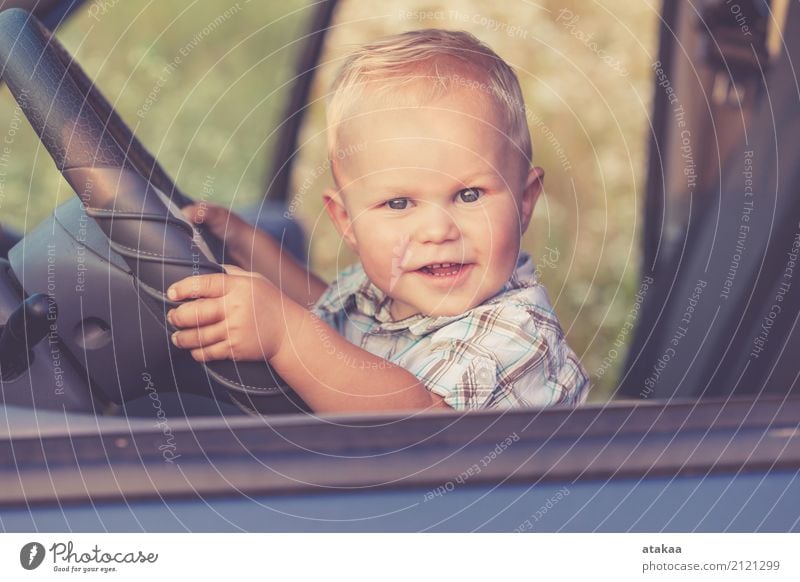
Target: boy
<point>430,154</point>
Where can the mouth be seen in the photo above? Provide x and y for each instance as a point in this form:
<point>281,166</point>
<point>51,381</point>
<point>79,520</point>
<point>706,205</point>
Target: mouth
<point>443,270</point>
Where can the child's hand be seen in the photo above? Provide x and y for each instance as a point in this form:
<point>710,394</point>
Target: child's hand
<point>235,315</point>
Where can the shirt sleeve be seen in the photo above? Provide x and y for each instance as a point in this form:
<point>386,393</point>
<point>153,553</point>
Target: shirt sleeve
<point>501,357</point>
<point>322,309</point>
<point>330,306</point>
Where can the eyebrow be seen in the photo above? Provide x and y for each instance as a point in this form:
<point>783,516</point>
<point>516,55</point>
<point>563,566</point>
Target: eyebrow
<point>481,175</point>
<point>401,192</point>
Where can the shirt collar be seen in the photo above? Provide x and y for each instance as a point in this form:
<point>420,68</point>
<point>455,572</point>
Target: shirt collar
<point>356,291</point>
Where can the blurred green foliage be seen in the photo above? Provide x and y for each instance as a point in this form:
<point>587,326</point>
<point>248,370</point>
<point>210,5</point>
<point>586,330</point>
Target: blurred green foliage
<point>203,84</point>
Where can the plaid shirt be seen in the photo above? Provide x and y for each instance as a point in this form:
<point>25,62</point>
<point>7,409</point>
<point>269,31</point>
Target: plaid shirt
<point>507,352</point>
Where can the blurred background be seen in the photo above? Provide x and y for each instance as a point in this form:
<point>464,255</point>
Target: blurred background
<point>204,86</point>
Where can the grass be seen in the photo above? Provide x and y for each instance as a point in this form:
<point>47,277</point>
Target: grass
<point>213,112</point>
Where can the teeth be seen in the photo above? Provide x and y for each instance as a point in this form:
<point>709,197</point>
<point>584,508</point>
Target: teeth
<point>430,268</point>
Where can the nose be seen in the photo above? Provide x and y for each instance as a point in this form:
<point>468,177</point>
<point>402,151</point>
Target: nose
<point>436,225</point>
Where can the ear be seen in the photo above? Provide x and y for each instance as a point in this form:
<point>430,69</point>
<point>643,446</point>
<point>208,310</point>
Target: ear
<point>530,195</point>
<point>339,216</point>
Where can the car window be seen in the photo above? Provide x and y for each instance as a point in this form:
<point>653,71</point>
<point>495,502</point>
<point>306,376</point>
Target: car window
<point>205,88</point>
<point>588,97</point>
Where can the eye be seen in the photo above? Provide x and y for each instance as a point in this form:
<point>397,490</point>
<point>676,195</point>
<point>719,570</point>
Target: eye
<point>470,195</point>
<point>397,203</point>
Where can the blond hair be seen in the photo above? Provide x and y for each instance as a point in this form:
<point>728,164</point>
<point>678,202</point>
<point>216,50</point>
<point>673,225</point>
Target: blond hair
<point>381,69</point>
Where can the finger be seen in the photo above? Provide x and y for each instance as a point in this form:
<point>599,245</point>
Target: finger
<point>198,286</point>
<point>200,213</point>
<point>197,313</point>
<point>198,337</point>
<point>235,270</point>
<point>218,351</point>
<point>240,272</point>
<point>191,211</point>
<point>205,212</point>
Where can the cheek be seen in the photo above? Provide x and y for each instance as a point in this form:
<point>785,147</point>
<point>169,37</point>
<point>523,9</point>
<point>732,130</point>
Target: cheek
<point>366,235</point>
<point>497,227</point>
<point>380,246</point>
<point>501,241</point>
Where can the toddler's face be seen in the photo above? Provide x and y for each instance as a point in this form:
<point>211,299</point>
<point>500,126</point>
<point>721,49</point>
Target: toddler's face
<point>433,199</point>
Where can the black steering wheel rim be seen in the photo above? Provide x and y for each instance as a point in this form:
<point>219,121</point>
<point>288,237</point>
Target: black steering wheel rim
<point>158,246</point>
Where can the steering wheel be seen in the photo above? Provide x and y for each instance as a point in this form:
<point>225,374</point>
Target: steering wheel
<point>134,247</point>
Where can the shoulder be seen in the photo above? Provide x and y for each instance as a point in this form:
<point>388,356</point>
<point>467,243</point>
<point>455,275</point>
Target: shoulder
<point>515,317</point>
<point>524,302</point>
<point>518,325</point>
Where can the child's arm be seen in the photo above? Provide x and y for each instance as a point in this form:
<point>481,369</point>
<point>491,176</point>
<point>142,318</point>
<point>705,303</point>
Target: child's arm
<point>255,250</point>
<point>242,316</point>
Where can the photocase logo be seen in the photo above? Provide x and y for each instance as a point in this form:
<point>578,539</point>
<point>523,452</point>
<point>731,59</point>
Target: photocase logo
<point>31,555</point>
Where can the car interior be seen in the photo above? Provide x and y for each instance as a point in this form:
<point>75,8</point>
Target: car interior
<point>708,386</point>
